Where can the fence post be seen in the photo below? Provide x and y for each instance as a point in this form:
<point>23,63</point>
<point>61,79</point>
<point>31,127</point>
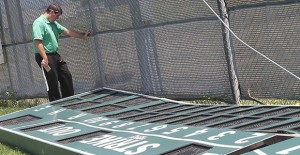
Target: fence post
<point>229,52</point>
<point>101,81</point>
<point>16,27</point>
<point>147,52</point>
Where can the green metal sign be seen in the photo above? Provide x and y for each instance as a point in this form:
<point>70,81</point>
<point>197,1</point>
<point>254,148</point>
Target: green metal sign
<point>109,121</point>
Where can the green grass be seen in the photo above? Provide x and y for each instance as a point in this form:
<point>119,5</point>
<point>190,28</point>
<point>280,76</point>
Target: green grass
<point>9,150</point>
<point>9,106</point>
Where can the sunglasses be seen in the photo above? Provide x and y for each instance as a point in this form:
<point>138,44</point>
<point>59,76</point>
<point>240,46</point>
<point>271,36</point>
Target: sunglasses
<point>55,11</point>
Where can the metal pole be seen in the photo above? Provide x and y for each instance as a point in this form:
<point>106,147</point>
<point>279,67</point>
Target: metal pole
<point>229,52</point>
<point>21,59</point>
<point>101,81</point>
<point>147,52</point>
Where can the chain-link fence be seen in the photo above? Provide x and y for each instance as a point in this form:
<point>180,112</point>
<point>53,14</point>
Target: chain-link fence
<point>174,49</point>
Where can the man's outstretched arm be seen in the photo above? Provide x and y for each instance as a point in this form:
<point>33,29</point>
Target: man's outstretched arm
<point>76,34</point>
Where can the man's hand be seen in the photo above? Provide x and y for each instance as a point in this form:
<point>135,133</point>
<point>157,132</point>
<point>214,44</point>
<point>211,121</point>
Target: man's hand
<point>87,34</point>
<point>45,63</point>
<point>76,34</point>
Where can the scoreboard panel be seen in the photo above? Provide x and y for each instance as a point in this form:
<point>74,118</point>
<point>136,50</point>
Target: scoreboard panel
<point>110,121</point>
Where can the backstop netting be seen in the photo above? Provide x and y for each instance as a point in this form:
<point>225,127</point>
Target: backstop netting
<point>166,48</point>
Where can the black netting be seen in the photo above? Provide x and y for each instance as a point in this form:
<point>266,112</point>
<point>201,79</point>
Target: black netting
<point>103,109</point>
<point>210,120</point>
<point>19,120</point>
<point>44,126</point>
<point>166,48</point>
<point>284,126</point>
<point>234,122</point>
<point>260,124</point>
<point>189,150</point>
<point>82,137</point>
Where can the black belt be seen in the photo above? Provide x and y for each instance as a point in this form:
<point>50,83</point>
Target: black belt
<point>52,53</point>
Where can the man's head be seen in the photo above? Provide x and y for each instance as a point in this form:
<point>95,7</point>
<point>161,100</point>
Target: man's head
<point>53,12</point>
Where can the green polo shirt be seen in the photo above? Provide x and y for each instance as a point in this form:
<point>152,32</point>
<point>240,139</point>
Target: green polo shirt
<point>48,32</point>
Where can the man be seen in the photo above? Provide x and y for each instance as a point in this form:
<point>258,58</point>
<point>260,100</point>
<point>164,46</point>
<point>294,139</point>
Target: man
<point>45,33</point>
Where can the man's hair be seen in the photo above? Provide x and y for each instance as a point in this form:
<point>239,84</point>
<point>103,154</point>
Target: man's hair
<point>55,7</point>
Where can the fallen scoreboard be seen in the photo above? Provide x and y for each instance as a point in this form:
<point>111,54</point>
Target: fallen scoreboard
<point>114,122</point>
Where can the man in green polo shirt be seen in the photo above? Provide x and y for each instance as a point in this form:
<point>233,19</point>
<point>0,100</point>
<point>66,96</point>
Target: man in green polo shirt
<point>45,34</point>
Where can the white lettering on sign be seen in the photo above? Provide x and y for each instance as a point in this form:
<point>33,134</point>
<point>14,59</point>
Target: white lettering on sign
<point>287,151</point>
<point>223,134</point>
<point>246,140</point>
<point>142,148</point>
<point>175,130</point>
<point>48,106</point>
<point>60,130</point>
<point>95,120</point>
<point>122,125</point>
<point>128,146</point>
<point>56,112</point>
<point>108,123</point>
<point>167,131</point>
<point>139,137</point>
<point>77,116</point>
<point>198,132</point>
<point>156,128</point>
<point>259,152</point>
<point>133,128</point>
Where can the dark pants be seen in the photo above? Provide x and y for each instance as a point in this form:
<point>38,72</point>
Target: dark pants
<point>59,73</point>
